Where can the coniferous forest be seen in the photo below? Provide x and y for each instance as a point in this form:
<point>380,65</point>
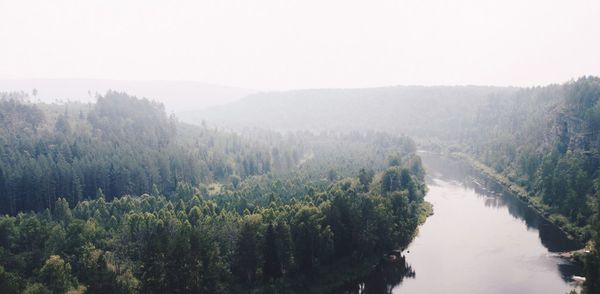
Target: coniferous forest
<point>541,142</point>
<point>280,146</point>
<point>117,197</point>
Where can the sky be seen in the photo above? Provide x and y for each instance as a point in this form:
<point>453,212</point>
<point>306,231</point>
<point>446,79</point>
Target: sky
<point>279,44</point>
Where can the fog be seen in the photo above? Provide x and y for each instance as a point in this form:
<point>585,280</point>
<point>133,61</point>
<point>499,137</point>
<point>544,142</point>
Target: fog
<point>177,96</point>
<point>278,45</point>
<point>287,146</point>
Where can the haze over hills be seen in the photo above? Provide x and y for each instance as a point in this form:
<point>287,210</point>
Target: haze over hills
<point>545,139</point>
<point>267,147</point>
<point>499,124</point>
<point>177,96</point>
<point>122,162</point>
<point>413,110</point>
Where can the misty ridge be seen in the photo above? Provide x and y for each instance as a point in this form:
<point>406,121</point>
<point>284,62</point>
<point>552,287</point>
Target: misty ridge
<point>279,146</point>
<point>262,167</point>
<point>458,114</point>
<point>177,96</point>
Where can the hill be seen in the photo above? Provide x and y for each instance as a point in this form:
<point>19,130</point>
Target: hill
<point>177,96</point>
<point>116,146</point>
<point>413,110</point>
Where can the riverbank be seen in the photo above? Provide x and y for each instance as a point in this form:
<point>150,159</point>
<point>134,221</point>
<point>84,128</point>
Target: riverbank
<point>493,238</point>
<point>346,271</point>
<point>535,202</point>
<point>341,275</point>
<point>329,278</point>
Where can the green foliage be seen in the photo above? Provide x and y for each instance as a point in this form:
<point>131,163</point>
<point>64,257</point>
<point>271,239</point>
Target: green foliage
<point>216,212</point>
<point>146,244</point>
<point>9,282</point>
<point>547,140</point>
<point>272,268</point>
<point>246,257</point>
<point>62,212</point>
<point>37,288</point>
<point>56,275</point>
<point>119,145</point>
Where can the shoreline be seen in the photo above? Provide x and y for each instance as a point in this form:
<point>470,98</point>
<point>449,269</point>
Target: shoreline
<point>521,194</point>
<point>338,275</point>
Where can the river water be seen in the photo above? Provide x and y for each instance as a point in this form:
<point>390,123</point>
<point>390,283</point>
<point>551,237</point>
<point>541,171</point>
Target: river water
<point>481,239</point>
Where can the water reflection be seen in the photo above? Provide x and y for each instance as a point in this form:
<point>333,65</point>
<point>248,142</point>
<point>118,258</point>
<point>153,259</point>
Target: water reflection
<point>495,195</point>
<point>481,239</point>
<point>383,279</point>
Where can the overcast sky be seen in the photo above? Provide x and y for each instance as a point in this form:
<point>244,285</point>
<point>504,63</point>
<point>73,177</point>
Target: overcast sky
<point>303,44</point>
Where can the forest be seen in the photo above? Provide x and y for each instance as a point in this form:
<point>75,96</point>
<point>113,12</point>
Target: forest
<point>547,140</point>
<point>118,197</point>
<point>542,140</point>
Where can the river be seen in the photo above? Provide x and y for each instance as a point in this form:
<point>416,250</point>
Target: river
<point>481,239</point>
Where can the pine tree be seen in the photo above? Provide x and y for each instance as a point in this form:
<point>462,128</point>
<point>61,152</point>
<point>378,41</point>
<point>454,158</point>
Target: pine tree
<point>272,264</point>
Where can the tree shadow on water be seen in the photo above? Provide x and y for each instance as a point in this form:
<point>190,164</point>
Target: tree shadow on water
<point>385,277</point>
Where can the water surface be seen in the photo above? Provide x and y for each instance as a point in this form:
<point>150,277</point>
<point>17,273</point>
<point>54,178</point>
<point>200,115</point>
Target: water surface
<point>481,239</point>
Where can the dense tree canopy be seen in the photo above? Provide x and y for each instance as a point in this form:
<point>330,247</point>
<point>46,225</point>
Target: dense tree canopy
<point>547,139</point>
<point>123,199</point>
<point>121,145</point>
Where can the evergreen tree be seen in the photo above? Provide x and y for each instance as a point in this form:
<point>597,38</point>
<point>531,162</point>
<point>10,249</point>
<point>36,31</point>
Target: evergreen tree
<point>272,264</point>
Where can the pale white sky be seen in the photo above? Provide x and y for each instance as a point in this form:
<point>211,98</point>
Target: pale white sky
<point>280,44</point>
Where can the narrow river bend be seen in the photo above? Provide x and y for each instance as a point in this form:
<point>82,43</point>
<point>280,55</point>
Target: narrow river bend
<point>481,239</point>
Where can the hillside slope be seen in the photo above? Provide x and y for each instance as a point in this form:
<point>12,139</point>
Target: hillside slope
<point>415,111</point>
<point>116,146</point>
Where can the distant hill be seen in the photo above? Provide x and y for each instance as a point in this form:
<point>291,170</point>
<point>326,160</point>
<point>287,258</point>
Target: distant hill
<point>413,110</point>
<point>177,96</point>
